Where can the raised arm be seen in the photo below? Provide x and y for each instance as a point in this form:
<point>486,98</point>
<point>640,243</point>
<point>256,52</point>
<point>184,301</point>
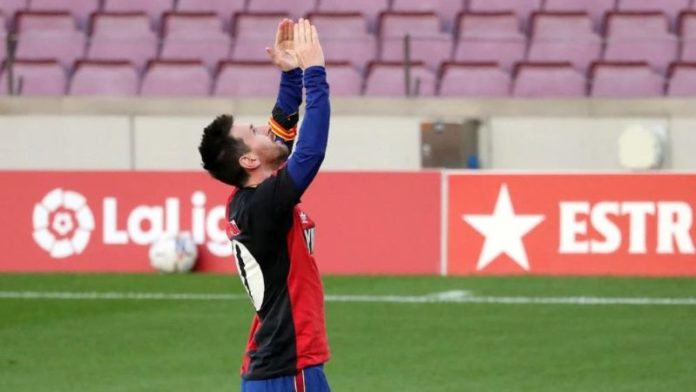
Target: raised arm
<point>285,115</point>
<point>305,161</point>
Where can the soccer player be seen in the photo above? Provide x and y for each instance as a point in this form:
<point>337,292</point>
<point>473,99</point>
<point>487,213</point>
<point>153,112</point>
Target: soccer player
<point>271,237</point>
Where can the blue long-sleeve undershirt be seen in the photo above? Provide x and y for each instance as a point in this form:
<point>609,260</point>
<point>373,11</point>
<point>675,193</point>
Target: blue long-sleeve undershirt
<point>310,148</point>
<point>290,92</point>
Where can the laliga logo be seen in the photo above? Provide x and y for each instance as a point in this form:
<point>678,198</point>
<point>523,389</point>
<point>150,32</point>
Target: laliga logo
<point>62,223</point>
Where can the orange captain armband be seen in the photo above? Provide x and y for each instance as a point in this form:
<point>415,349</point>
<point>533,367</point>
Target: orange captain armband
<point>280,132</point>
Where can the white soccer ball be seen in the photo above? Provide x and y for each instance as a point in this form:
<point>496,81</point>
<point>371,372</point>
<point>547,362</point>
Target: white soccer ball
<point>173,253</point>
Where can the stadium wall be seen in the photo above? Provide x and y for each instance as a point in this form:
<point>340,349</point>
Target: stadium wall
<point>427,223</point>
<point>54,142</point>
<point>134,163</point>
<point>367,133</point>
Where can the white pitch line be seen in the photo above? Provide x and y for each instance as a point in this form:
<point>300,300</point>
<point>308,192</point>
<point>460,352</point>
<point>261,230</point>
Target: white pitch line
<point>460,297</point>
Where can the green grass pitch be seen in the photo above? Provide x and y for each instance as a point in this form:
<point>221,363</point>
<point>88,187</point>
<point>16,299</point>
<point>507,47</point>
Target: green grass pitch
<point>168,345</point>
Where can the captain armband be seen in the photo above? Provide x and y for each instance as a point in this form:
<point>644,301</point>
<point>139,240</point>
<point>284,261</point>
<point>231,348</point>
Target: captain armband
<point>283,126</point>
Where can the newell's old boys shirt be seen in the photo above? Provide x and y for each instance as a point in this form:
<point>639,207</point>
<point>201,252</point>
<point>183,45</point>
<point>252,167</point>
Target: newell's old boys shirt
<point>272,241</point>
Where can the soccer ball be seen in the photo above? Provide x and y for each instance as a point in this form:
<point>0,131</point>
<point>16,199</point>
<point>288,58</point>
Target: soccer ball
<point>173,253</point>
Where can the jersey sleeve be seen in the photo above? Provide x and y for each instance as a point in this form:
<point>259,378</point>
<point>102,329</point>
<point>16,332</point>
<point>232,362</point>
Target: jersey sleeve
<point>308,156</point>
<point>285,114</point>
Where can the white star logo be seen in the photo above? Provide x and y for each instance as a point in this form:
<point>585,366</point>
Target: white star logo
<point>503,231</point>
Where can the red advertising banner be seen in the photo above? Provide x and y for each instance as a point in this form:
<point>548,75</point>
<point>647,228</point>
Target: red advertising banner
<point>567,224</point>
<point>367,223</point>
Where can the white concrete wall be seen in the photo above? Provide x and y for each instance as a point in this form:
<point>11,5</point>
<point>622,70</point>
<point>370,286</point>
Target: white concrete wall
<point>373,143</point>
<point>683,144</point>
<point>64,142</point>
<point>559,143</point>
<point>166,142</point>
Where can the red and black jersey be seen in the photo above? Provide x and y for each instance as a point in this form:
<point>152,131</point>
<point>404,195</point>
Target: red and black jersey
<point>272,241</point>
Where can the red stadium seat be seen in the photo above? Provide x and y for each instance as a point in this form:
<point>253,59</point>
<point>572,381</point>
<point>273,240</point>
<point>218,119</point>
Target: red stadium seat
<point>521,8</point>
<point>175,79</point>
<point>225,9</point>
<point>80,9</point>
<point>370,8</point>
<point>344,79</point>
<point>296,8</point>
<point>106,78</point>
<point>428,43</point>
<point>344,37</point>
<point>37,78</point>
<point>625,79</point>
<point>682,80</point>
<point>251,34</point>
<point>388,79</point>
<point>122,36</point>
<point>564,36</point>
<point>153,8</point>
<point>246,79</point>
<point>595,8</point>
<point>194,35</point>
<point>671,8</point>
<point>49,35</point>
<point>489,36</point>
<point>687,31</point>
<point>640,36</point>
<point>541,80</point>
<point>480,80</point>
<point>10,7</point>
<point>446,9</point>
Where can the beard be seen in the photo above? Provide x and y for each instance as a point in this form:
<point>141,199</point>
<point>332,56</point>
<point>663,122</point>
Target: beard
<point>274,156</point>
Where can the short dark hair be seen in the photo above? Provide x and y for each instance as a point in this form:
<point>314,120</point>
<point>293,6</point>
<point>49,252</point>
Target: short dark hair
<point>220,152</point>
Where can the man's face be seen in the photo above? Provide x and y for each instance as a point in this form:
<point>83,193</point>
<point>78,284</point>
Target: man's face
<point>260,143</point>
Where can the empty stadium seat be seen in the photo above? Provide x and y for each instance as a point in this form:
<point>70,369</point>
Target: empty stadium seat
<point>540,80</point>
<point>640,36</point>
<point>682,81</point>
<point>223,8</point>
<point>625,79</point>
<point>36,77</point>
<point>370,8</point>
<point>489,36</point>
<point>49,35</point>
<point>105,78</point>
<point>447,10</point>
<point>122,36</point>
<point>175,79</point>
<point>484,80</point>
<point>344,37</point>
<point>521,8</point>
<point>671,8</point>
<point>253,32</point>
<point>388,79</point>
<point>247,79</point>
<point>153,8</point>
<point>80,9</point>
<point>10,7</point>
<point>296,8</point>
<point>344,79</point>
<point>194,35</point>
<point>428,43</point>
<point>687,31</point>
<point>564,36</point>
<point>595,8</point>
